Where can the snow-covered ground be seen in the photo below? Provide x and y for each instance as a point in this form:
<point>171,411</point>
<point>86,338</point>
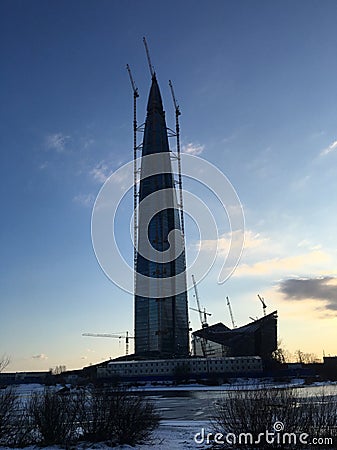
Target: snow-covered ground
<point>238,383</point>
<point>171,435</point>
<point>174,434</point>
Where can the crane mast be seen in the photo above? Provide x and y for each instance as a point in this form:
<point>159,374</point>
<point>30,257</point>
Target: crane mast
<point>197,300</point>
<point>264,306</point>
<point>202,316</point>
<point>230,312</point>
<point>180,182</point>
<point>135,172</point>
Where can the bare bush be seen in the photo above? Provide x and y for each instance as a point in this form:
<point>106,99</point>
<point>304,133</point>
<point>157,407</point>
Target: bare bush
<point>23,429</point>
<point>99,415</point>
<point>319,415</point>
<point>116,416</point>
<point>249,414</point>
<point>8,401</point>
<point>54,417</point>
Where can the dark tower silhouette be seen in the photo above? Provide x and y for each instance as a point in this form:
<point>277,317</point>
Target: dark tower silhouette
<point>161,316</point>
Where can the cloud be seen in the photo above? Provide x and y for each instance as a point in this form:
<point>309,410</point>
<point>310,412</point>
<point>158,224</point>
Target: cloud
<point>86,200</point>
<point>44,165</point>
<point>101,172</point>
<point>329,149</point>
<point>40,356</point>
<point>57,142</point>
<point>307,244</point>
<point>252,241</point>
<point>305,262</point>
<point>193,149</point>
<point>322,289</point>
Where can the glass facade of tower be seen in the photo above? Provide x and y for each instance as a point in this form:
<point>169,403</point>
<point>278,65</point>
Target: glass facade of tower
<point>161,320</point>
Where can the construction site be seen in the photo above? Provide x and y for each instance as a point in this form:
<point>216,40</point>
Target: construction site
<point>163,340</point>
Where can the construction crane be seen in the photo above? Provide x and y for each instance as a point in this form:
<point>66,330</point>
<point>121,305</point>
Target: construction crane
<point>135,172</point>
<point>204,313</point>
<point>230,312</point>
<point>121,335</point>
<point>264,306</point>
<point>133,84</point>
<point>176,106</point>
<point>180,181</point>
<point>203,317</point>
<point>152,71</point>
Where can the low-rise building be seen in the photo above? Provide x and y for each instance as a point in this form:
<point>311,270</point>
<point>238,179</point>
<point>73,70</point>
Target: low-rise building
<point>192,367</point>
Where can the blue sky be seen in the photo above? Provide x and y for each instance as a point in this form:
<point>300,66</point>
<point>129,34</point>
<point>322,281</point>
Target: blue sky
<point>256,82</point>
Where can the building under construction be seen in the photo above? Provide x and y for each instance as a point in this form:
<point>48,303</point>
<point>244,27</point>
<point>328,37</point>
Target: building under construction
<point>160,292</point>
<point>258,338</point>
<point>161,317</point>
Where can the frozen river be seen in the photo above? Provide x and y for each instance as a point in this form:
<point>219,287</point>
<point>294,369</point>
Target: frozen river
<point>194,404</point>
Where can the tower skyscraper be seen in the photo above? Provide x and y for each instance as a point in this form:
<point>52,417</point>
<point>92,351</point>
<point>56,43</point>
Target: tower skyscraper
<point>161,316</point>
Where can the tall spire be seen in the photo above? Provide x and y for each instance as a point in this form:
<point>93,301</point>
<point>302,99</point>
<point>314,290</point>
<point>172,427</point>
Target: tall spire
<point>155,101</point>
<point>161,322</point>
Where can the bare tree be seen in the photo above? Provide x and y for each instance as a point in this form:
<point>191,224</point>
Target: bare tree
<point>58,370</point>
<point>281,354</point>
<point>4,361</point>
<point>306,358</point>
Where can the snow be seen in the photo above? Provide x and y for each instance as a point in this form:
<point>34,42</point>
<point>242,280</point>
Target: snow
<point>171,435</point>
<point>235,384</point>
<point>178,434</point>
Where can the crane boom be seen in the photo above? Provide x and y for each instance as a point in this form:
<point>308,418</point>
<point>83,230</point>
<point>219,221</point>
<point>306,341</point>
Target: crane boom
<point>152,71</point>
<point>102,335</point>
<point>133,84</point>
<point>197,299</point>
<point>230,312</point>
<point>114,336</point>
<point>203,312</point>
<point>264,306</point>
<point>176,106</point>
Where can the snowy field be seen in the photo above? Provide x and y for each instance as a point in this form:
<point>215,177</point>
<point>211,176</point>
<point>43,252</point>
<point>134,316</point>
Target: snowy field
<point>171,435</point>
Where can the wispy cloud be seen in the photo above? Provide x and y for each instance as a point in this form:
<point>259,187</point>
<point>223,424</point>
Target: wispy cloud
<point>262,165</point>
<point>252,242</point>
<point>57,142</point>
<point>304,243</point>
<point>86,200</point>
<point>101,172</point>
<point>44,165</point>
<point>321,289</point>
<point>40,356</point>
<point>193,149</point>
<point>303,263</point>
<point>332,147</point>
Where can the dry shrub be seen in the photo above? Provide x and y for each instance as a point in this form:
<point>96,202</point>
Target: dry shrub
<point>253,412</point>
